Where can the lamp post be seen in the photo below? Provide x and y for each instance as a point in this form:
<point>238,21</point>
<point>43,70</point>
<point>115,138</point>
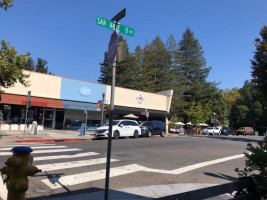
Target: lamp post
<point>102,106</point>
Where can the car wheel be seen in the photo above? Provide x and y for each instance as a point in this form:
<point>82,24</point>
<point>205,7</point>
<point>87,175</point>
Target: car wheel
<point>116,135</point>
<point>162,133</point>
<point>149,134</point>
<point>135,134</point>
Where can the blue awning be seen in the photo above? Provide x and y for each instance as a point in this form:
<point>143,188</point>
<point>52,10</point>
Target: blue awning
<point>74,105</point>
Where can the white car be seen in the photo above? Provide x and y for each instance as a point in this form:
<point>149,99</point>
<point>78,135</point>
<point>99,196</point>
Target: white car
<point>212,131</point>
<point>120,128</point>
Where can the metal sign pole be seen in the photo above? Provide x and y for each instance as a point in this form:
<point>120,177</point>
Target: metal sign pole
<point>110,129</point>
<point>85,123</point>
<point>27,106</point>
<point>25,120</point>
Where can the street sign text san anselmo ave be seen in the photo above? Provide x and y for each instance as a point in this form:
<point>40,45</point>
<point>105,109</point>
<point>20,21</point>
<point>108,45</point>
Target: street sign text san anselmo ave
<point>111,25</point>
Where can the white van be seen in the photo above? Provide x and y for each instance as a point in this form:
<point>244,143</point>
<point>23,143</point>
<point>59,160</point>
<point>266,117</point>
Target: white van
<point>120,128</point>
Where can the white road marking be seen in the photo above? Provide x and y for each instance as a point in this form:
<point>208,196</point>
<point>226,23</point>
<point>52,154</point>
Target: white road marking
<point>57,182</point>
<point>195,166</point>
<point>69,180</point>
<point>73,164</point>
<point>3,193</point>
<point>65,156</point>
<point>39,147</point>
<point>42,151</point>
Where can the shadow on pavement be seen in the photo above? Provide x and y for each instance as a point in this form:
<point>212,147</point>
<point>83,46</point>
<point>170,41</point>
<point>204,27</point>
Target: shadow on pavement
<point>237,139</point>
<point>90,194</point>
<point>221,176</point>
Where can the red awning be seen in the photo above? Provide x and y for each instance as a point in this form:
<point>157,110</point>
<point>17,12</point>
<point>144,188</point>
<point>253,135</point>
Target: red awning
<point>35,101</point>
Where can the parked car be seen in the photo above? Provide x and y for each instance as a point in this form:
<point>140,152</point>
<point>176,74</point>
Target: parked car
<point>245,131</point>
<point>120,128</point>
<point>212,131</point>
<point>228,131</point>
<point>150,128</point>
<point>92,127</point>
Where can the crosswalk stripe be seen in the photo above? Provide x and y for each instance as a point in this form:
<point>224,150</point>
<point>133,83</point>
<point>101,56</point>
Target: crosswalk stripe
<point>42,147</point>
<point>42,151</point>
<point>75,179</point>
<point>65,156</point>
<point>73,164</point>
<point>32,144</point>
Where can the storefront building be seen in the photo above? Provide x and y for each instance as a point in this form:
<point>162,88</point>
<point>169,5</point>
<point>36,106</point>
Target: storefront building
<point>63,103</point>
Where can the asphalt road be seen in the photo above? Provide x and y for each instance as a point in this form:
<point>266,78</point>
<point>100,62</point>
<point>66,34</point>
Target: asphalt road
<point>135,162</point>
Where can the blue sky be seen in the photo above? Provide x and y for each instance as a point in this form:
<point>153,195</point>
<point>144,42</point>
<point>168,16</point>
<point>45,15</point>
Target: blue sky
<point>64,32</point>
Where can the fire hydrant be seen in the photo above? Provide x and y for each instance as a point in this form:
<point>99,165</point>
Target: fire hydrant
<point>18,168</point>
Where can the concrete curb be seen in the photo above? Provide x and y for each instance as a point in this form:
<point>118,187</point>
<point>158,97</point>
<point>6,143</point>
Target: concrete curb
<point>51,140</point>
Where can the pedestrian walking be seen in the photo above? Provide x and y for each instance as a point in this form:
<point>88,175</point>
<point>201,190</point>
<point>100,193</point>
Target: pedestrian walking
<point>181,131</point>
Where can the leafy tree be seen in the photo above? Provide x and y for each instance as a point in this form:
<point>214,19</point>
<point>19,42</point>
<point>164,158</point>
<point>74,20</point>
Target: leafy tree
<point>5,4</point>
<point>195,113</point>
<point>11,65</point>
<point>259,64</point>
<point>247,110</point>
<point>229,98</point>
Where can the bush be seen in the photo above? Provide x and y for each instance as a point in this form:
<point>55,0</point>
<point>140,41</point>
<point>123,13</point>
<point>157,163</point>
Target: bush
<point>256,166</point>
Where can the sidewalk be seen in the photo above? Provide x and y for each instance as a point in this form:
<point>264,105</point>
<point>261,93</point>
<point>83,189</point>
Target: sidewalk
<point>52,136</point>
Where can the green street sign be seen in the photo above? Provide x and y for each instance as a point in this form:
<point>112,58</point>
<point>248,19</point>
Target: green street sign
<point>119,16</point>
<point>111,25</point>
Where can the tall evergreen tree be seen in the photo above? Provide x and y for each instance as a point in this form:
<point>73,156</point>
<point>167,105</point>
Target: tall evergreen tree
<point>156,68</point>
<point>190,71</point>
<point>30,64</point>
<point>137,66</point>
<point>127,71</point>
<point>105,71</point>
<point>41,66</point>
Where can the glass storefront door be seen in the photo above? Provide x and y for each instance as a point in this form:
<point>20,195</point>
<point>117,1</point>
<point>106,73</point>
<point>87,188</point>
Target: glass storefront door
<point>49,118</point>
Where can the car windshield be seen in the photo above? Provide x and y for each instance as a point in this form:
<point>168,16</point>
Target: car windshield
<point>146,124</point>
<point>210,128</point>
<point>114,123</point>
<point>226,128</point>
